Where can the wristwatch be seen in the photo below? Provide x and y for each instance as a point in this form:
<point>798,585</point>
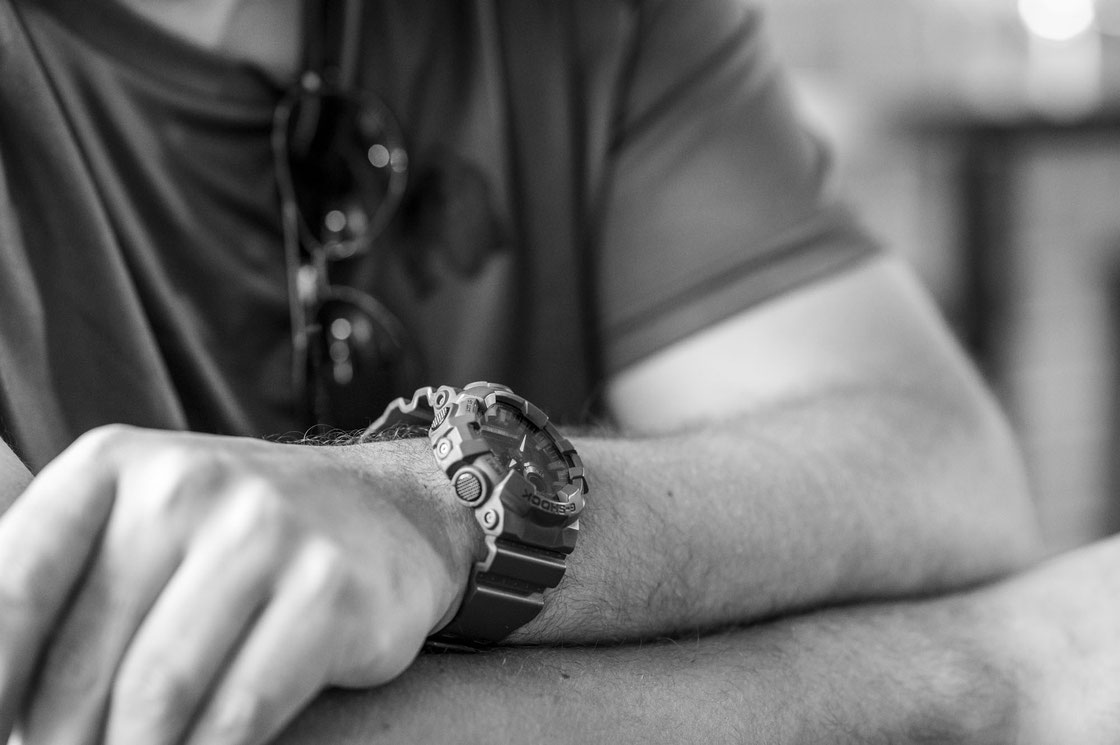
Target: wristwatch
<point>523,480</point>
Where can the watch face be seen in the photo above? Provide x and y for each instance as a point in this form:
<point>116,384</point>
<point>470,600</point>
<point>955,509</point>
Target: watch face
<point>521,445</point>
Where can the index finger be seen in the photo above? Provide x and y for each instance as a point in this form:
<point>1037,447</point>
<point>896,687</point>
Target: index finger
<point>46,538</point>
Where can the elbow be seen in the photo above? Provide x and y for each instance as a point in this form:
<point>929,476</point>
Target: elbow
<point>949,506</point>
<point>980,475</point>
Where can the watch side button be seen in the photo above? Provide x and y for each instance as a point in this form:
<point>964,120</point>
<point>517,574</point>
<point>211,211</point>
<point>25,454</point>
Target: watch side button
<point>470,487</point>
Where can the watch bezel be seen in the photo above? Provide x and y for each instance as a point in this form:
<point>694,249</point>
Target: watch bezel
<point>460,448</point>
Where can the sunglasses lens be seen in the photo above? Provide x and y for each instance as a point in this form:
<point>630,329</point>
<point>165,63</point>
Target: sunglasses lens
<point>361,361</point>
<point>347,166</point>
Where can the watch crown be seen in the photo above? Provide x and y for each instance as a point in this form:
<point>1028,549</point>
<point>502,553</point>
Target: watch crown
<point>469,487</point>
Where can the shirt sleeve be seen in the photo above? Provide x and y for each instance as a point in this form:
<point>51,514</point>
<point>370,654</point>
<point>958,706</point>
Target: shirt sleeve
<point>718,196</point>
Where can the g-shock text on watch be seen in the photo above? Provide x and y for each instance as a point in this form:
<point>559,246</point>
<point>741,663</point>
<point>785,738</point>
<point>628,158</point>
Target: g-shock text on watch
<point>526,485</point>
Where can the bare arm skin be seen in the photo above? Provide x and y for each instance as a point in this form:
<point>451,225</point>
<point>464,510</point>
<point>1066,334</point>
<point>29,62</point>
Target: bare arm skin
<point>14,477</point>
<point>1032,660</point>
<point>890,674</point>
<point>903,673</point>
<point>832,446</point>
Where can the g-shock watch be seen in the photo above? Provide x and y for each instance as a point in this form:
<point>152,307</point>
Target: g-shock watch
<point>526,485</point>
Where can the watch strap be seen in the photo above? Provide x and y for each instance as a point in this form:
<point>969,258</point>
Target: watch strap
<point>508,595</point>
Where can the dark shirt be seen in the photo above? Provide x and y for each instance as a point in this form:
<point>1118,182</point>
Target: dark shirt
<point>589,182</point>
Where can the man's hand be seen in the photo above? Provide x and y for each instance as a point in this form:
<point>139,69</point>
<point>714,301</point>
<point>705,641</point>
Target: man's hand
<point>157,585</point>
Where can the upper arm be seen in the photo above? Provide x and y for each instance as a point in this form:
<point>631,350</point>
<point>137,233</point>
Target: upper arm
<point>871,326</point>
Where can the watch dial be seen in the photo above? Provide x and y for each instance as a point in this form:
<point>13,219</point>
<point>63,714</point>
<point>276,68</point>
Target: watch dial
<point>523,446</point>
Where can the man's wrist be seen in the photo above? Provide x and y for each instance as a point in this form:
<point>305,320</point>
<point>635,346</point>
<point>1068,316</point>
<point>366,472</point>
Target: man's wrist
<point>404,473</point>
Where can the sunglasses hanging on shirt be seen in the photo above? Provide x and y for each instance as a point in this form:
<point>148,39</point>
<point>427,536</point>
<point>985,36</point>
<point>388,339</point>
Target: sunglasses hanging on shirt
<point>341,169</point>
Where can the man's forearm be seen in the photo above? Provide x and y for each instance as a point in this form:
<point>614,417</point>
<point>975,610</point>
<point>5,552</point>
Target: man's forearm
<point>849,495</point>
<point>903,673</point>
<point>1031,660</point>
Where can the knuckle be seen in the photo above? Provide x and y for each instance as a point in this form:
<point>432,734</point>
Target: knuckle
<point>323,572</point>
<point>259,510</point>
<point>256,517</point>
<point>99,442</point>
<point>176,478</point>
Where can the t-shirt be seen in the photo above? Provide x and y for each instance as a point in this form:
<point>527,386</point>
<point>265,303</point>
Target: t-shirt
<point>589,181</point>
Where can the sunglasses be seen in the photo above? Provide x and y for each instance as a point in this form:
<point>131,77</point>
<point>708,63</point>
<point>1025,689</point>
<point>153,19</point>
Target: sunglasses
<point>342,168</point>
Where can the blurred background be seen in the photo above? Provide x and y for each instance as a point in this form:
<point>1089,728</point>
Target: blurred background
<point>981,139</point>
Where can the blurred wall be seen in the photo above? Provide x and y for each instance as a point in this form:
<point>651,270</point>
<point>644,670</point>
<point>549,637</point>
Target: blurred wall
<point>900,86</point>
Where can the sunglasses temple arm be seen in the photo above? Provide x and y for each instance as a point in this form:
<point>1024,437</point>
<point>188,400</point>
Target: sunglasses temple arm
<point>297,311</point>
